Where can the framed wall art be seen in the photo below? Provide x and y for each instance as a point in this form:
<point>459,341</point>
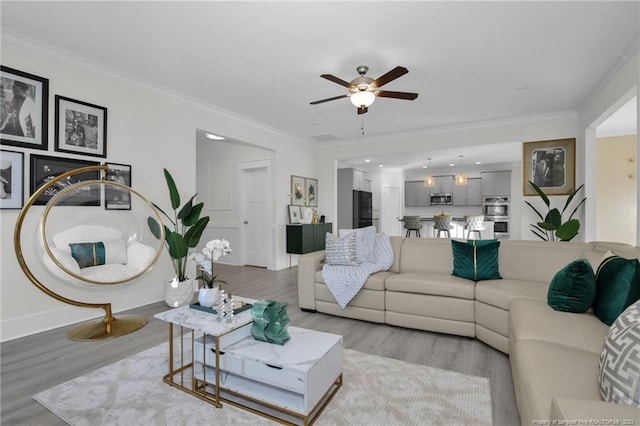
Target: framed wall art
<point>297,191</point>
<point>294,214</point>
<point>550,165</point>
<point>80,127</point>
<point>45,168</point>
<point>11,179</point>
<point>24,108</point>
<point>116,198</point>
<point>311,191</point>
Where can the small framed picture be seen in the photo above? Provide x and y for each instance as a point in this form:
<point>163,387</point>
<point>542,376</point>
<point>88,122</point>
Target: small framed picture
<point>44,169</point>
<point>24,109</point>
<point>11,179</point>
<point>550,165</point>
<point>297,191</point>
<point>311,191</point>
<point>294,214</point>
<point>81,128</point>
<point>118,198</point>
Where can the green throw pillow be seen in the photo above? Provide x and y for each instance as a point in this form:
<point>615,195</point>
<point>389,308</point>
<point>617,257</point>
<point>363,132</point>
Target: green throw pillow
<point>476,260</point>
<point>573,288</point>
<point>617,287</point>
<point>88,254</point>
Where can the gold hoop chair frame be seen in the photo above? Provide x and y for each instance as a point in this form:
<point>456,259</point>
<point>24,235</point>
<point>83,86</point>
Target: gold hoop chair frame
<point>98,329</point>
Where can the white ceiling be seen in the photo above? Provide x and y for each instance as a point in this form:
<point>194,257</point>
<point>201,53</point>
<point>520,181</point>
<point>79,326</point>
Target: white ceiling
<point>470,62</point>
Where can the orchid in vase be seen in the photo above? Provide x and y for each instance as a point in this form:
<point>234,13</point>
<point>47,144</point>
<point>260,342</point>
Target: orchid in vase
<point>210,253</point>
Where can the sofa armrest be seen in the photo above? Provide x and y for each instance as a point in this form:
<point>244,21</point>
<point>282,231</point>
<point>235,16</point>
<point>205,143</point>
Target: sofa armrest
<point>586,409</point>
<point>308,265</point>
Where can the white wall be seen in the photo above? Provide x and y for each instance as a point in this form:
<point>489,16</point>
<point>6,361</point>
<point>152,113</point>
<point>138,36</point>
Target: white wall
<point>149,129</point>
<point>619,89</point>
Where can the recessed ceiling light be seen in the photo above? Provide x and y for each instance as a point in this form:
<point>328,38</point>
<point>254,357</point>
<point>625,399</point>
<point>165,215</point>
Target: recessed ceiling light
<point>478,162</point>
<point>367,160</point>
<point>214,137</point>
<point>424,167</point>
<point>451,164</point>
<point>380,165</point>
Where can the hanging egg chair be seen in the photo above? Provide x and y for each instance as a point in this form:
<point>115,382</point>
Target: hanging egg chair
<point>84,243</point>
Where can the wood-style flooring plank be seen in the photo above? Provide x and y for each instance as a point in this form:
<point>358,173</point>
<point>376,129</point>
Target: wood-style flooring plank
<point>34,363</point>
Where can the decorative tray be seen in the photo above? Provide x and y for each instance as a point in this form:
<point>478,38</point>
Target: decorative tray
<point>237,307</point>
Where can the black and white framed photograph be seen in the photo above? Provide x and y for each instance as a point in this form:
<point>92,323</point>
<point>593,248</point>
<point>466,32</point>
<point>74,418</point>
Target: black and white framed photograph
<point>11,179</point>
<point>81,127</point>
<point>44,169</point>
<point>118,198</point>
<point>294,214</point>
<point>550,165</point>
<point>311,191</point>
<point>24,109</point>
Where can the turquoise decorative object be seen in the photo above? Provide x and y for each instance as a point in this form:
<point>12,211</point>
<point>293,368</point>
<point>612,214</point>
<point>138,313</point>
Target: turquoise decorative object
<point>270,322</point>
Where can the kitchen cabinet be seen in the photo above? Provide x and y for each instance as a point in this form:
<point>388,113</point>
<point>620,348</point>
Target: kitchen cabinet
<point>496,183</point>
<point>307,237</point>
<point>469,194</point>
<point>444,185</point>
<point>416,194</point>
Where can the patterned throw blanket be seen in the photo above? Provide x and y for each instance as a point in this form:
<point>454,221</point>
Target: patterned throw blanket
<point>345,282</point>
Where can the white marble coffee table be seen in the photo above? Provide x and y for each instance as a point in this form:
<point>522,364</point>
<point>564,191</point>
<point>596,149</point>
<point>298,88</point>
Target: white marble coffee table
<point>291,383</point>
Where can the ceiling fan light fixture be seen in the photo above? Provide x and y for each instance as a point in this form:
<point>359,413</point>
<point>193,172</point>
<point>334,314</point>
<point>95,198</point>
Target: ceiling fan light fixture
<point>362,98</point>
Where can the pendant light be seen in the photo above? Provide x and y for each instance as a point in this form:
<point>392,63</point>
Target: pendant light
<point>429,181</point>
<point>461,179</point>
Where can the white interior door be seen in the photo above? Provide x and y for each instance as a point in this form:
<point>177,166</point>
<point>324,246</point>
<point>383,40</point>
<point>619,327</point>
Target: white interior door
<point>391,210</point>
<point>255,215</point>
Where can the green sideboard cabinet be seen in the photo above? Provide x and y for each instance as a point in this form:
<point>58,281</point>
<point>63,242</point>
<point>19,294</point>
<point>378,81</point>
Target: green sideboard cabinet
<point>305,238</point>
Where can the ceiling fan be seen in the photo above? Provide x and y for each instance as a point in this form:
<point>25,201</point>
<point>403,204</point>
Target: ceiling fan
<point>363,90</point>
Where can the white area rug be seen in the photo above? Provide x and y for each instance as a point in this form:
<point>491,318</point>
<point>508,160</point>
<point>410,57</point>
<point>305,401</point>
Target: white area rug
<point>375,391</point>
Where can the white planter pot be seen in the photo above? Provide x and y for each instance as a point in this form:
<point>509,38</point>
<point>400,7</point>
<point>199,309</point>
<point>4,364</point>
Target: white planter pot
<point>178,293</point>
<point>208,297</point>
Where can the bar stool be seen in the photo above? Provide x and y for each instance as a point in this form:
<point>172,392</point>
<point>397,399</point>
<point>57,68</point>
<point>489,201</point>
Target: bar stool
<point>442,225</point>
<point>412,223</point>
<point>474,224</point>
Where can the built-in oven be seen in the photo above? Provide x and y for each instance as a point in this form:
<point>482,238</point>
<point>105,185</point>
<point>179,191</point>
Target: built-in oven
<point>441,199</point>
<point>495,207</point>
<point>496,210</point>
<point>500,228</point>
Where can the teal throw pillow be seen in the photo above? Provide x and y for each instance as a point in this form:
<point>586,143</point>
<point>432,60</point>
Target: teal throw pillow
<point>573,288</point>
<point>88,254</point>
<point>476,260</point>
<point>617,287</point>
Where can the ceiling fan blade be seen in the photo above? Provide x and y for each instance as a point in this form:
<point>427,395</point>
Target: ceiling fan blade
<point>329,99</point>
<point>390,76</point>
<point>335,79</point>
<point>397,95</point>
<point>362,110</point>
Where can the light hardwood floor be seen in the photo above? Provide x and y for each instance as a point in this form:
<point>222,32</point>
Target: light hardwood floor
<point>35,363</point>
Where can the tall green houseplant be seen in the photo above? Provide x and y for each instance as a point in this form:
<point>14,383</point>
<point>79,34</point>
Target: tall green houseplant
<point>552,227</point>
<point>187,226</point>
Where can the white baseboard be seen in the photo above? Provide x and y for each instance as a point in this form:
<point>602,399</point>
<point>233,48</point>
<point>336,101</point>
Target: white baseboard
<point>14,328</point>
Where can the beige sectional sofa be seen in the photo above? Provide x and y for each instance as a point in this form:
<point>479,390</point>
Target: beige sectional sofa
<point>554,355</point>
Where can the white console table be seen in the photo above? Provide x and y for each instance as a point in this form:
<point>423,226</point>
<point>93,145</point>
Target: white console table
<point>291,384</point>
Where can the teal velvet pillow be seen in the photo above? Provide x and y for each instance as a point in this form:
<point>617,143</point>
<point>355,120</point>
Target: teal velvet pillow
<point>476,260</point>
<point>88,254</point>
<point>617,287</point>
<point>573,288</point>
